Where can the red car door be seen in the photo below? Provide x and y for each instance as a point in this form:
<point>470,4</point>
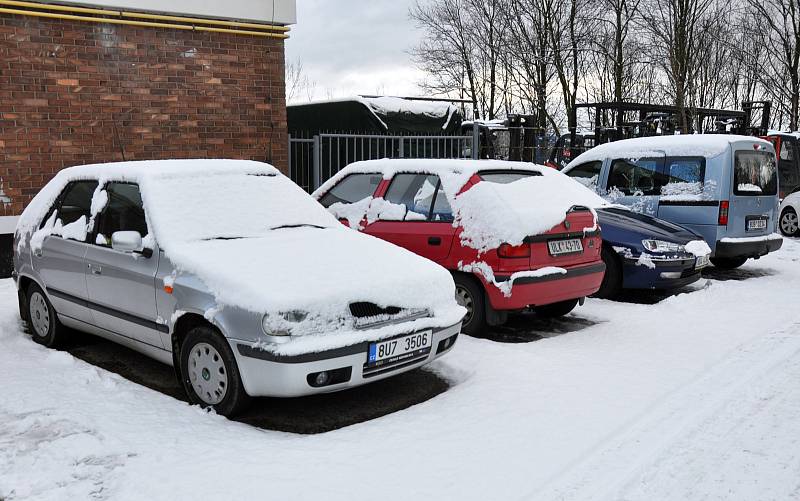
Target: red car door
<point>427,227</point>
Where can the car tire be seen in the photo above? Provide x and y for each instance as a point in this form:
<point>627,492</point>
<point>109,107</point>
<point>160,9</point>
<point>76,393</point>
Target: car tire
<point>788,223</point>
<point>612,279</point>
<point>728,263</point>
<point>469,294</point>
<point>209,372</point>
<point>556,310</point>
<point>42,319</point>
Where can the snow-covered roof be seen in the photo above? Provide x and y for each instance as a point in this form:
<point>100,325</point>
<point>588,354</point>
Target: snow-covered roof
<point>384,105</point>
<point>707,145</point>
<point>454,173</point>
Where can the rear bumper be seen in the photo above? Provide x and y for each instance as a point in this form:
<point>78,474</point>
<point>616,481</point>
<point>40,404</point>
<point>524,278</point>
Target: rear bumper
<point>666,274</point>
<point>265,374</point>
<point>579,281</point>
<point>747,248</point>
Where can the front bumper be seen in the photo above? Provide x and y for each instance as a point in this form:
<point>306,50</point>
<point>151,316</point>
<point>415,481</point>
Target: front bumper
<point>667,274</point>
<point>746,248</point>
<point>265,374</point>
<point>579,281</point>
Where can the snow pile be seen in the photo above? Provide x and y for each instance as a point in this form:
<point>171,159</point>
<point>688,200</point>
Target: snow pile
<point>368,210</point>
<point>748,187</point>
<point>699,248</point>
<point>646,260</point>
<point>491,214</point>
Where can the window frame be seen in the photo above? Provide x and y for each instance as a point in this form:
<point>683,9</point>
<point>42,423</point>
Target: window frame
<point>429,216</point>
<point>101,215</point>
<point>344,179</point>
<point>658,171</point>
<point>57,203</point>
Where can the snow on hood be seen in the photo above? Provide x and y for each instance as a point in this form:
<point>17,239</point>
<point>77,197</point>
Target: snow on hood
<point>316,270</point>
<point>706,145</point>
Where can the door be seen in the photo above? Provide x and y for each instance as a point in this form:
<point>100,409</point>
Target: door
<point>636,183</point>
<point>427,225</point>
<point>753,208</point>
<point>788,165</point>
<point>121,285</point>
<point>60,259</point>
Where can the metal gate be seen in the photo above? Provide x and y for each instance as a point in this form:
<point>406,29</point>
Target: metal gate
<point>314,160</point>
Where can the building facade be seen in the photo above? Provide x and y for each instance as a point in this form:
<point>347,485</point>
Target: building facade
<point>86,82</point>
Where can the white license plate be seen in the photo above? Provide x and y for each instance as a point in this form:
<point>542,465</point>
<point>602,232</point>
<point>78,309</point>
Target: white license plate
<point>702,262</point>
<point>569,246</point>
<point>394,350</point>
<point>756,224</point>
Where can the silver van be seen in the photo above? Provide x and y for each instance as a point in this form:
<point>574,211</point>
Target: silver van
<point>230,273</point>
<point>723,187</point>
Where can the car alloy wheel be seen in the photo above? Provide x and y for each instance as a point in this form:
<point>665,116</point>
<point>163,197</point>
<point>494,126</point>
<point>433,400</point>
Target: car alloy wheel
<point>789,223</point>
<point>207,373</point>
<point>464,298</point>
<point>39,314</point>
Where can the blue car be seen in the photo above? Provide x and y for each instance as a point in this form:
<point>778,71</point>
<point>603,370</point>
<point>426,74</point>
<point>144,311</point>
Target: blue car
<point>643,252</point>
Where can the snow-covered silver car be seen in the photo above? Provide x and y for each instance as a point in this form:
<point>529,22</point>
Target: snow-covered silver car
<point>229,272</point>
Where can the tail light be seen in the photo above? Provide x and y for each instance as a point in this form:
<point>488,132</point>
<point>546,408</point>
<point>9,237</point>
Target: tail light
<point>723,213</point>
<point>514,251</point>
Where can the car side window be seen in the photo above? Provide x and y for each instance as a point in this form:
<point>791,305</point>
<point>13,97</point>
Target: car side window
<point>417,192</point>
<point>351,189</point>
<point>124,211</point>
<point>70,214</point>
<point>686,170</point>
<point>636,177</point>
<point>587,174</point>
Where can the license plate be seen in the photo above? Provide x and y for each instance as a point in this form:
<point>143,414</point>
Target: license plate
<point>759,223</point>
<point>400,348</point>
<point>569,246</point>
<point>702,262</point>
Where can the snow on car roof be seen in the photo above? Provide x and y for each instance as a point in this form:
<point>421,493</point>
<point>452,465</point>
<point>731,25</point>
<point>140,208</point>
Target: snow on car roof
<point>707,145</point>
<point>136,171</point>
<point>454,173</point>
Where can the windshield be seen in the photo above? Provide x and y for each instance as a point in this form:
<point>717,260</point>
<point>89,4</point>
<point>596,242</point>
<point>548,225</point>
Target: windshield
<point>755,174</point>
<point>226,206</point>
<point>506,177</point>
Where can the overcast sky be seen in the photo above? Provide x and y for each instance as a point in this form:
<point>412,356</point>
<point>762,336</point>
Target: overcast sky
<point>350,47</point>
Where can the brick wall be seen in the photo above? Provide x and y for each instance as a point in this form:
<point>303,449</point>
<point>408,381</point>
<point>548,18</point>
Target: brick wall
<point>73,93</point>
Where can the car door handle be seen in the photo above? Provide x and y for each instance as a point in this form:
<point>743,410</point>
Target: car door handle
<point>96,270</point>
<point>37,253</point>
<point>434,240</point>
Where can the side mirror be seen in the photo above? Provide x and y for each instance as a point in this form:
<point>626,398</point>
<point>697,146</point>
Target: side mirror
<point>126,241</point>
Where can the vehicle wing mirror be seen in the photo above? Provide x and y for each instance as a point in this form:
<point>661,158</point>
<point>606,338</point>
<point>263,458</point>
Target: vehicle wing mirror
<point>126,241</point>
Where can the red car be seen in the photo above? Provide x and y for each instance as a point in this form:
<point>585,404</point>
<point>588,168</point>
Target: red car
<point>514,235</point>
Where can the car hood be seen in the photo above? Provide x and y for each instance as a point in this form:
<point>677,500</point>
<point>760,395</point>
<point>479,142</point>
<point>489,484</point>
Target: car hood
<point>647,226</point>
<point>318,270</point>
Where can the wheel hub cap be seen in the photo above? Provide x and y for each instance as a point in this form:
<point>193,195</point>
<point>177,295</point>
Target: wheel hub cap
<point>40,315</point>
<point>464,298</point>
<point>207,373</point>
<point>789,223</point>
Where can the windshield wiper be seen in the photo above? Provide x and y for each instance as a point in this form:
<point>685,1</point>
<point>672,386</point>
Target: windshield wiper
<point>300,225</point>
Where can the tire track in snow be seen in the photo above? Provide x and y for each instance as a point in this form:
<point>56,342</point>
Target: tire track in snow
<point>635,448</point>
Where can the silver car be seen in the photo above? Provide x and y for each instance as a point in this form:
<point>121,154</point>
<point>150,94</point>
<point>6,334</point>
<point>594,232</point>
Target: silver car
<point>230,273</point>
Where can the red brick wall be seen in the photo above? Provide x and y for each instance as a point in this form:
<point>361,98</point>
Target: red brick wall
<point>171,93</point>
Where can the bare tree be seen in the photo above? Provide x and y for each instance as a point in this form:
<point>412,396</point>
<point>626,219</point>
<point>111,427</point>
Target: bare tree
<point>297,82</point>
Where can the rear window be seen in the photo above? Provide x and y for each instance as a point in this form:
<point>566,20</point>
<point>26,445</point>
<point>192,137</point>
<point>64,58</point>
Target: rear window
<point>754,174</point>
<point>505,177</point>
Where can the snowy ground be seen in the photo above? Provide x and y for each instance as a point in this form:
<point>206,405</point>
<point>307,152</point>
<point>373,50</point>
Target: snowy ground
<point>695,397</point>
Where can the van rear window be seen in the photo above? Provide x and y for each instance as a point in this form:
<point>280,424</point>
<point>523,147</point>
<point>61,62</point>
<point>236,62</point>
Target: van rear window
<point>754,174</point>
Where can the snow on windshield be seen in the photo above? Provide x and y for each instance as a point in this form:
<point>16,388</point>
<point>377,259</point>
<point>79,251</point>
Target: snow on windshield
<point>182,208</point>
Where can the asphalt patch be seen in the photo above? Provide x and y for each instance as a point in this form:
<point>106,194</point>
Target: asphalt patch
<point>304,415</point>
<point>736,274</point>
<point>527,327</point>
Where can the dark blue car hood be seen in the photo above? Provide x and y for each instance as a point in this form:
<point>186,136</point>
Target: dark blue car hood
<point>617,220</point>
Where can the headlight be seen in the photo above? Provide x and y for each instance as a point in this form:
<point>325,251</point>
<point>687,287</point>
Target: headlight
<point>273,328</point>
<point>281,324</point>
<point>662,246</point>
